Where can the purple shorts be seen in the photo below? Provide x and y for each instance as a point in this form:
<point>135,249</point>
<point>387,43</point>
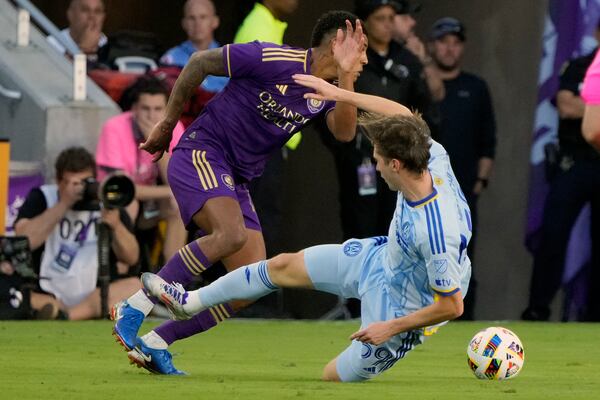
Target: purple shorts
<point>195,176</point>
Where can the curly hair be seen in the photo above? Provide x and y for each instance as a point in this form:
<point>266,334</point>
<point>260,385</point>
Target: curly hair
<point>402,137</point>
<point>329,23</point>
<point>74,159</point>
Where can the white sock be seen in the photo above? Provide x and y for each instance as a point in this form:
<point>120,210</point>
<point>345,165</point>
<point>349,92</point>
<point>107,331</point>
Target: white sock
<point>154,341</point>
<point>141,302</point>
<point>193,304</point>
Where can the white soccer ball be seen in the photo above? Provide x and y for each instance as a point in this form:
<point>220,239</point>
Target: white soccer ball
<point>495,353</point>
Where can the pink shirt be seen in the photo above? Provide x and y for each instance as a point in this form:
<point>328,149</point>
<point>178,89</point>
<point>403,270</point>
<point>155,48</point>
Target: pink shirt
<point>591,83</point>
<point>118,148</point>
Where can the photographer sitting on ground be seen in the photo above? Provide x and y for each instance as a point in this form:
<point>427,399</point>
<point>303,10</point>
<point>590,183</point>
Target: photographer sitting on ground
<point>62,236</point>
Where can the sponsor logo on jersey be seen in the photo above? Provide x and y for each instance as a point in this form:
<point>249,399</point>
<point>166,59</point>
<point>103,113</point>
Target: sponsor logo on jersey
<point>351,249</point>
<point>282,88</point>
<point>443,282</point>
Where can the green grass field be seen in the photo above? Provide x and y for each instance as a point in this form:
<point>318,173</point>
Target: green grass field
<point>283,359</point>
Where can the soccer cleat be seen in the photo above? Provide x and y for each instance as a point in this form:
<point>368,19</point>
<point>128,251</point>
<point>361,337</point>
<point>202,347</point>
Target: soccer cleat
<point>173,295</point>
<point>127,324</point>
<point>156,361</point>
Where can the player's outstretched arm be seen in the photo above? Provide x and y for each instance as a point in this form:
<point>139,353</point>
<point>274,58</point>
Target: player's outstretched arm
<point>200,65</point>
<point>447,308</point>
<point>366,102</point>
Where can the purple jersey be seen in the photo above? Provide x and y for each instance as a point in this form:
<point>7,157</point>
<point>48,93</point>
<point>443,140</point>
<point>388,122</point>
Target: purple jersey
<point>260,108</point>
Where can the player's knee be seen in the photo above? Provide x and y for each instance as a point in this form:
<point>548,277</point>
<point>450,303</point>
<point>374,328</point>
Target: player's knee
<point>279,266</point>
<point>230,240</point>
<point>330,372</point>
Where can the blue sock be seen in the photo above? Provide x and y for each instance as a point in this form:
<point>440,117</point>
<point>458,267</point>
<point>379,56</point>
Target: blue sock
<point>245,283</point>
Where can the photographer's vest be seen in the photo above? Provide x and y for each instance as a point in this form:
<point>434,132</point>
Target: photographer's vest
<point>69,267</point>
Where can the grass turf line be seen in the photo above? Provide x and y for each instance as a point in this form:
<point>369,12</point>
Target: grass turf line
<point>283,360</point>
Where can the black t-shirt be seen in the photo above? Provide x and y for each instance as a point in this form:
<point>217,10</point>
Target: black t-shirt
<point>467,127</point>
<point>570,138</point>
<point>35,204</point>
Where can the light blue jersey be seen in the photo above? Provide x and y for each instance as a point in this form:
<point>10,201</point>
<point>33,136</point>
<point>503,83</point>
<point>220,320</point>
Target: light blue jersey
<point>427,241</point>
<point>423,257</point>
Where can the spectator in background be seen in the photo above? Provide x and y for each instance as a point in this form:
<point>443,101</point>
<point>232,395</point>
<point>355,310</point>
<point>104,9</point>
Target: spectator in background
<point>86,19</point>
<point>265,23</point>
<point>591,97</point>
<point>62,236</point>
<point>404,33</point>
<point>199,22</point>
<point>118,151</point>
<point>393,72</point>
<point>576,183</point>
<point>467,128</point>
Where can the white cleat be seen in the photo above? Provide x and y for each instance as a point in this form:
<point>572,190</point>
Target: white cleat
<point>173,296</point>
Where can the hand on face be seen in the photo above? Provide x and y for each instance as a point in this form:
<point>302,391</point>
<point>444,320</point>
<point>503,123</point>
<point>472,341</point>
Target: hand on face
<point>145,123</point>
<point>88,43</point>
<point>349,50</point>
<point>70,190</point>
<point>416,46</point>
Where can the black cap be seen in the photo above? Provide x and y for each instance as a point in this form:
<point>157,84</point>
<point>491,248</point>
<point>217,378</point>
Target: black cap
<point>364,8</point>
<point>447,26</point>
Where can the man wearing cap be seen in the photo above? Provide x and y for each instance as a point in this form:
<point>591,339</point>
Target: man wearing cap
<point>393,72</point>
<point>467,126</point>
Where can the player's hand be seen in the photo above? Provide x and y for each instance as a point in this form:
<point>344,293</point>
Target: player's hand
<point>349,49</point>
<point>324,90</point>
<point>159,139</point>
<point>376,333</point>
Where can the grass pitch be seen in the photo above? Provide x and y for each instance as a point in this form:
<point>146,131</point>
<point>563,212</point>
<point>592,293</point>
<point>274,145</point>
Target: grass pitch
<point>283,359</point>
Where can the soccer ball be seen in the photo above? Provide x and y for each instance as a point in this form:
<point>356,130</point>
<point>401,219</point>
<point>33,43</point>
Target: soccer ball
<point>495,353</point>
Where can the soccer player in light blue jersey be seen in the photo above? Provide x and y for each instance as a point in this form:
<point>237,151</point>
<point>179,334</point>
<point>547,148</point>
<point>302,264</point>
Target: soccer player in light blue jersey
<point>409,283</point>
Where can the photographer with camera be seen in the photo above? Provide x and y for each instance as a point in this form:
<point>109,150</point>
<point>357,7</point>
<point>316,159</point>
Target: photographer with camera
<point>60,222</point>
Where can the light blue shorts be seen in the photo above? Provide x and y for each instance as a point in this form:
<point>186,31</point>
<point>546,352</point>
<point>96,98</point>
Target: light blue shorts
<point>353,270</point>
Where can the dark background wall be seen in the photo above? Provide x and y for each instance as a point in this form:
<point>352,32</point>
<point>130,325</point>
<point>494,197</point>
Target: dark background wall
<point>504,47</point>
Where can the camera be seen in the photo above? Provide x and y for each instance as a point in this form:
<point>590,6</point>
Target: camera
<point>15,250</point>
<point>115,191</point>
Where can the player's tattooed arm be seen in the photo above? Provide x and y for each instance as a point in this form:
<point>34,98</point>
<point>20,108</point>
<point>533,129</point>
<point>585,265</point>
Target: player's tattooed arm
<point>201,64</point>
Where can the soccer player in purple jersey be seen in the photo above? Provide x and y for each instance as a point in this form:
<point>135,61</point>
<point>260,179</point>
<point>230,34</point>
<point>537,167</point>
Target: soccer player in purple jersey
<point>227,146</point>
